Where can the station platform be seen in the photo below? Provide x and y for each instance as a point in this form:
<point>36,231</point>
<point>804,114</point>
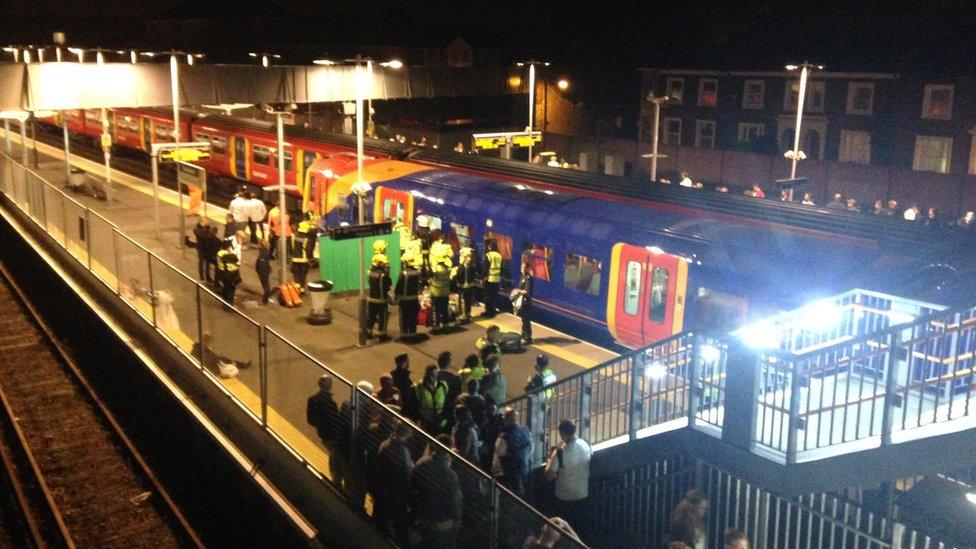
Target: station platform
<point>131,210</point>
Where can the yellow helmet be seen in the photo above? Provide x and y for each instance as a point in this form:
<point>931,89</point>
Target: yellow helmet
<point>380,259</point>
<point>379,246</point>
<point>408,258</point>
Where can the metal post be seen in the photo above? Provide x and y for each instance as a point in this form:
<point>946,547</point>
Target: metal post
<point>586,390</point>
<point>155,183</point>
<point>694,372</point>
<point>282,215</point>
<point>200,323</point>
<point>493,514</point>
<point>799,118</point>
<point>654,139</point>
<point>897,535</point>
<point>88,237</point>
<point>33,137</point>
<point>107,151</point>
<point>359,182</point>
<point>152,289</point>
<point>891,397</point>
<point>174,77</point>
<point>636,407</point>
<point>67,148</point>
<point>179,213</point>
<point>263,372</point>
<point>23,143</point>
<point>531,103</point>
<point>794,417</point>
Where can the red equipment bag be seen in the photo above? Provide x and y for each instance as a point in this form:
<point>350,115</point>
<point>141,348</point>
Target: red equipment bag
<point>290,295</point>
<point>424,317</point>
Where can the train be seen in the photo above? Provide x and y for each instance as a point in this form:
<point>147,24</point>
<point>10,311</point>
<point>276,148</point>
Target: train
<point>612,265</point>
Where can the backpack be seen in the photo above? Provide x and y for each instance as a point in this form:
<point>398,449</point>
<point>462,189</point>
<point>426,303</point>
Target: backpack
<point>510,342</point>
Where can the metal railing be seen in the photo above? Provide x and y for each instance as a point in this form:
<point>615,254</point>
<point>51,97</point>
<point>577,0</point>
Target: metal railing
<point>633,508</point>
<point>900,383</point>
<point>670,384</point>
<point>274,378</point>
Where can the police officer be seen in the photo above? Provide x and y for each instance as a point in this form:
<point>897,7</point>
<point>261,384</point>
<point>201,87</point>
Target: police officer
<point>466,281</point>
<point>299,260</point>
<point>228,272</point>
<point>407,294</point>
<point>493,277</point>
<point>440,292</point>
<point>543,377</point>
<point>379,289</point>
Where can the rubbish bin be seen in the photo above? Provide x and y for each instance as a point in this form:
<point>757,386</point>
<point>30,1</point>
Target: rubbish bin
<point>321,293</point>
<point>76,178</point>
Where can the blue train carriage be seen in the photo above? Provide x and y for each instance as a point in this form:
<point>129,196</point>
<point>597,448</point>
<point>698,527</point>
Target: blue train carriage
<point>613,270</point>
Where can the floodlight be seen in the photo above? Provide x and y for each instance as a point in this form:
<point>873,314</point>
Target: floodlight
<point>709,353</point>
<point>759,336</point>
<point>820,316</point>
<point>656,371</point>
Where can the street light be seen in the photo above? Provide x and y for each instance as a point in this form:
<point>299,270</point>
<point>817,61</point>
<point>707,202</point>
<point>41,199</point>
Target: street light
<point>531,65</point>
<point>657,101</point>
<point>796,154</point>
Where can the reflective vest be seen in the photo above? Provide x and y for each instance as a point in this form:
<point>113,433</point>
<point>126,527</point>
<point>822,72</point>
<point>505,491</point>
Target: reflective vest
<point>477,372</point>
<point>494,267</point>
<point>430,403</point>
<point>379,285</point>
<point>274,223</point>
<point>548,377</point>
<point>440,282</point>
<point>226,261</point>
<point>408,286</point>
<point>298,249</point>
<point>467,276</point>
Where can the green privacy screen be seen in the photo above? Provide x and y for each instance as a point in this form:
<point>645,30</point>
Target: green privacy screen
<point>338,259</point>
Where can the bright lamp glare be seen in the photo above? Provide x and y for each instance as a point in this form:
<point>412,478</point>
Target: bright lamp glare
<point>393,64</point>
<point>759,336</point>
<point>971,496</point>
<point>709,353</point>
<point>656,371</point>
<point>820,316</point>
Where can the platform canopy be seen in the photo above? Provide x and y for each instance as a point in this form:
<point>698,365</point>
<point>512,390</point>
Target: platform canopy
<point>58,86</point>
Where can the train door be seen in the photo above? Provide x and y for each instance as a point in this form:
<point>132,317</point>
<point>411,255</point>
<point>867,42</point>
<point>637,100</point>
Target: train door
<point>646,300</point>
<point>145,129</point>
<point>393,204</point>
<point>305,161</point>
<point>239,162</point>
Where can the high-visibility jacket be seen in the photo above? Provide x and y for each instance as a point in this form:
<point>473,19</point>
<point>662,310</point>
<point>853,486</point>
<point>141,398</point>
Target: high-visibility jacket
<point>477,372</point>
<point>467,276</point>
<point>430,402</point>
<point>274,222</point>
<point>440,282</point>
<point>494,267</point>
<point>299,249</point>
<point>379,285</point>
<point>226,261</point>
<point>540,380</point>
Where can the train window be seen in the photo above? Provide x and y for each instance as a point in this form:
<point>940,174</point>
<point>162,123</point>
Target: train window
<point>462,235</point>
<point>540,258</point>
<point>504,243</point>
<point>163,132</point>
<point>288,161</point>
<point>582,274</point>
<point>127,124</point>
<point>218,145</point>
<point>392,209</point>
<point>659,295</point>
<point>201,137</point>
<point>93,116</point>
<point>632,292</point>
<point>261,155</point>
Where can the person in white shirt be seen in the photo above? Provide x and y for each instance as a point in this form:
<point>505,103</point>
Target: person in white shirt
<point>238,208</point>
<point>686,180</point>
<point>255,217</point>
<point>569,467</point>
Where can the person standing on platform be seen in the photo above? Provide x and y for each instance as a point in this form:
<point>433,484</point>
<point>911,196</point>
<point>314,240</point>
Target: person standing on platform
<point>263,268</point>
<point>230,226</point>
<point>472,370</point>
<point>279,228</point>
<point>440,292</point>
<point>688,520</point>
<point>526,290</point>
<point>255,217</point>
<point>466,281</point>
<point>228,272</point>
<point>446,373</point>
<point>569,466</point>
<point>240,209</point>
<point>472,400</point>
<point>402,381</point>
<point>431,396</point>
<point>464,435</point>
<point>379,296</point>
<point>513,450</point>
<point>200,234</point>
<point>388,394</point>
<point>211,246</point>
<point>544,376</point>
<point>494,385</point>
<point>308,231</point>
<point>407,295</point>
<point>299,261</point>
<point>391,484</point>
<point>436,498</point>
<point>237,242</point>
<point>322,412</point>
<point>493,278</point>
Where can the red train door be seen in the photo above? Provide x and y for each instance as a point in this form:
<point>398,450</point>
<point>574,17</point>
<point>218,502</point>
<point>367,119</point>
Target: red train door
<point>647,294</point>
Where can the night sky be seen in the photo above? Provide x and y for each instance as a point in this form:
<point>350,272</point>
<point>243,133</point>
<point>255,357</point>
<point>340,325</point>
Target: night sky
<point>598,43</point>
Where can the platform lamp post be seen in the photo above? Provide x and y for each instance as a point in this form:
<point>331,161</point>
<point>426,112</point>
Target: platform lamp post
<point>795,155</point>
<point>531,65</point>
<point>655,136</point>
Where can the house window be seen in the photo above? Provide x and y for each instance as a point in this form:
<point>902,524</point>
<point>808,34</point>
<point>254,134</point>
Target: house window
<point>855,147</point>
<point>938,102</point>
<point>705,134</point>
<point>671,131</point>
<point>812,102</point>
<point>860,98</point>
<point>675,89</point>
<point>753,92</point>
<point>582,273</point>
<point>707,92</point>
<point>932,153</point>
<point>749,132</point>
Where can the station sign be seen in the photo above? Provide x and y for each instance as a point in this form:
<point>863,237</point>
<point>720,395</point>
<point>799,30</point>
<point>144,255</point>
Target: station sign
<point>360,231</point>
<point>492,141</point>
<point>189,175</point>
<point>188,152</point>
<point>488,143</point>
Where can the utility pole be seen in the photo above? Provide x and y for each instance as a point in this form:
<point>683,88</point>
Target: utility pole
<point>657,101</point>
<point>796,154</point>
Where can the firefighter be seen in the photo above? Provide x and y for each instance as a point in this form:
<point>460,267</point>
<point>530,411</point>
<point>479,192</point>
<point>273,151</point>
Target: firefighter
<point>379,248</point>
<point>379,289</point>
<point>493,277</point>
<point>466,280</point>
<point>407,294</point>
<point>307,229</point>
<point>228,273</point>
<point>299,260</point>
<point>440,291</point>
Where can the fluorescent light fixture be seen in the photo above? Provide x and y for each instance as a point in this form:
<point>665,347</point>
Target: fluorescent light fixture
<point>547,191</point>
<point>326,62</point>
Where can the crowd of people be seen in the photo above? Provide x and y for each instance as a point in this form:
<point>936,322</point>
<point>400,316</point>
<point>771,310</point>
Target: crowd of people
<point>928,216</point>
<point>418,489</point>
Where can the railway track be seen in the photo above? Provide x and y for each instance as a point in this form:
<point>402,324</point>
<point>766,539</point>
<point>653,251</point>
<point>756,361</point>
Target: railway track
<point>73,479</point>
